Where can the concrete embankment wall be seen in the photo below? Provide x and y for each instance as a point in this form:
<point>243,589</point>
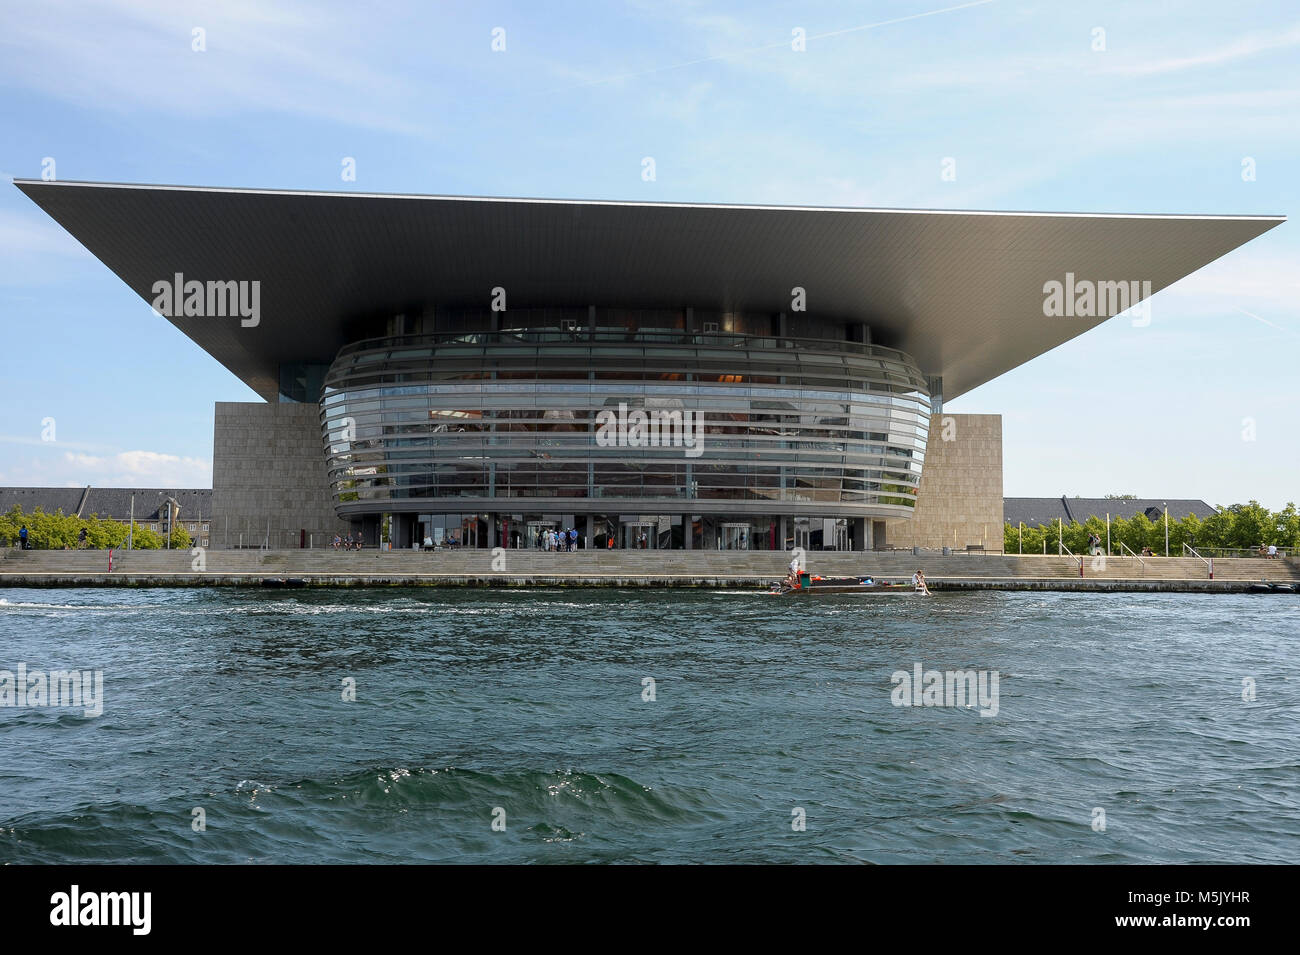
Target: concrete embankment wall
<point>728,569</point>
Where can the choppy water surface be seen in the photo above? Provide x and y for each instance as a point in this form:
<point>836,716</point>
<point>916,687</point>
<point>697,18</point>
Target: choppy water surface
<point>532,701</point>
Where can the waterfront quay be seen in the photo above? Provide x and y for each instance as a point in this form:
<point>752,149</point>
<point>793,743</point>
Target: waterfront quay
<point>586,568</point>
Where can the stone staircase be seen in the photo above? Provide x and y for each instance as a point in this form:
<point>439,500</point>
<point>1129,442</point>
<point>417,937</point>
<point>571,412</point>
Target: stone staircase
<point>624,563</point>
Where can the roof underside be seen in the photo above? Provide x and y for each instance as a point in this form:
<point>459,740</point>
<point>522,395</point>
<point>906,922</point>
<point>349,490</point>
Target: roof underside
<point>962,292</point>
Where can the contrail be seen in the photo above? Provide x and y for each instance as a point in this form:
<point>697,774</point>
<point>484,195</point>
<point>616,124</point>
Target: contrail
<point>1285,331</point>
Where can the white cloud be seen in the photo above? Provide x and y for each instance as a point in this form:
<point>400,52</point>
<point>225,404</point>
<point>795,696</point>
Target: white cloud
<point>41,443</point>
<point>1246,46</point>
<point>122,55</point>
<point>121,469</point>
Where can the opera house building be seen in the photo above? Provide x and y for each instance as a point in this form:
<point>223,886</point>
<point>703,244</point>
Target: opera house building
<point>475,371</point>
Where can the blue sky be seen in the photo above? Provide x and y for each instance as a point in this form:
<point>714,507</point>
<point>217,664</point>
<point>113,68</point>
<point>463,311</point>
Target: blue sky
<point>1201,403</point>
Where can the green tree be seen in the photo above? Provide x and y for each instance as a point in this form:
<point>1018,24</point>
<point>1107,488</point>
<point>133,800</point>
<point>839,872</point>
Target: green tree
<point>10,523</point>
<point>1289,520</point>
<point>145,539</point>
<point>58,530</point>
<point>1191,531</point>
<point>1034,536</point>
<point>1136,532</point>
<point>103,534</point>
<point>1237,526</point>
<point>1252,525</point>
<point>1218,528</point>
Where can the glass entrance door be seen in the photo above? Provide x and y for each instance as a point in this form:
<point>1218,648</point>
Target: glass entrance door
<point>640,536</point>
<point>735,537</point>
<point>841,535</point>
<point>802,534</point>
<point>535,530</point>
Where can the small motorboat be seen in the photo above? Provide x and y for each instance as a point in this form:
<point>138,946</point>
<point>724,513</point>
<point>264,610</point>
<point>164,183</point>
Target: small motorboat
<point>817,586</point>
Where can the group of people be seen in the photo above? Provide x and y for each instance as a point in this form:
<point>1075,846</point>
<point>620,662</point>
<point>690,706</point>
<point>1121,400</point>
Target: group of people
<point>565,540</point>
<point>347,542</point>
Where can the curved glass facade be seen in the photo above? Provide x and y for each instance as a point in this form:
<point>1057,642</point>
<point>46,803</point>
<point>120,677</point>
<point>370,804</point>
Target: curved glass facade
<point>547,419</point>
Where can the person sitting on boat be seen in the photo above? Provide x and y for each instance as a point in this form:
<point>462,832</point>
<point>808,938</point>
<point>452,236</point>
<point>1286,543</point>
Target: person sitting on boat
<point>918,581</point>
<point>792,578</point>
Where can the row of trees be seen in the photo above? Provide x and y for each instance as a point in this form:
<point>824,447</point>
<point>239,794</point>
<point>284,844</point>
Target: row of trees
<point>1242,526</point>
<point>58,531</point>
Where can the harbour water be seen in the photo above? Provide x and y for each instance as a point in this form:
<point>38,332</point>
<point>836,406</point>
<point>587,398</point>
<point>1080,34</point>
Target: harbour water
<point>650,726</point>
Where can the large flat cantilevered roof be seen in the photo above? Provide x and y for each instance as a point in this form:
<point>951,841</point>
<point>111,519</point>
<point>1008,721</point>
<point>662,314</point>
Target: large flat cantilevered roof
<point>962,292</point>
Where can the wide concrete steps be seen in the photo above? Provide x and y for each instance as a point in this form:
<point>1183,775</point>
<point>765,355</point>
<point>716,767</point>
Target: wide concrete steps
<point>757,564</point>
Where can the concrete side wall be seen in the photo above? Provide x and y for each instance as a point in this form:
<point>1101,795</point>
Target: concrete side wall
<point>268,465</point>
<point>960,498</point>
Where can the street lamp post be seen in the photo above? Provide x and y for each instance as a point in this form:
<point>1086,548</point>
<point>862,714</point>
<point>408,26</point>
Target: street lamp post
<point>1166,528</point>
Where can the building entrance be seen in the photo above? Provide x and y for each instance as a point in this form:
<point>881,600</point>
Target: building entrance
<point>535,530</point>
<point>638,535</point>
<point>734,537</point>
<point>840,537</point>
<point>802,534</point>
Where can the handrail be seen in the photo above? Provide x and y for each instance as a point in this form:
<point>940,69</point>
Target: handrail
<point>1208,563</point>
<point>1244,552</point>
<point>1125,547</point>
<point>1072,554</point>
<point>542,335</point>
